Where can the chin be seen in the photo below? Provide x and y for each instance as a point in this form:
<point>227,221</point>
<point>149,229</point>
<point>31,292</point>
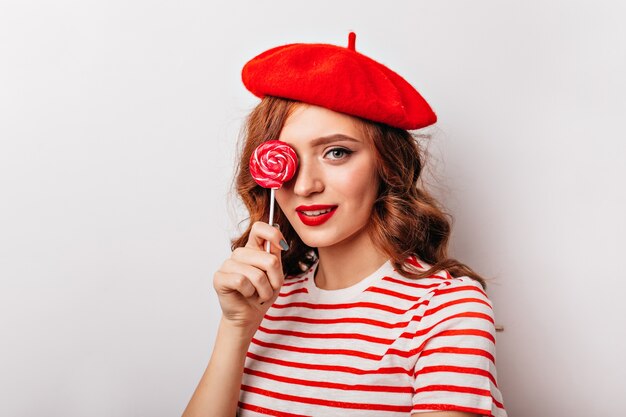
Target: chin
<point>320,241</point>
<point>324,239</point>
<point>316,243</point>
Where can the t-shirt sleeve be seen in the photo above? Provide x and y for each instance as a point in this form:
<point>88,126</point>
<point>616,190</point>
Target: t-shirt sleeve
<point>455,367</point>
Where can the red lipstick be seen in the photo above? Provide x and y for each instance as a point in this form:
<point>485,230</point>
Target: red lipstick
<point>315,220</point>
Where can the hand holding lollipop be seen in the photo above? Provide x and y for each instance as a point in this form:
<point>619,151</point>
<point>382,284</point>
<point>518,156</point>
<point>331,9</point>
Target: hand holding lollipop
<point>271,164</point>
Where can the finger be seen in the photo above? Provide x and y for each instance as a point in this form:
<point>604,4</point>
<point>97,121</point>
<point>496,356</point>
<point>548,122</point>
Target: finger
<point>226,282</point>
<point>270,263</point>
<point>256,276</point>
<point>261,232</point>
<point>277,278</point>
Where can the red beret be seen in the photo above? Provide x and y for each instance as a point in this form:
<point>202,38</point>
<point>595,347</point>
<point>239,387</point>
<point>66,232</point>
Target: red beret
<point>340,79</point>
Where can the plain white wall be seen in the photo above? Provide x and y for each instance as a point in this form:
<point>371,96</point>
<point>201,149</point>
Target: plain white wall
<point>118,122</point>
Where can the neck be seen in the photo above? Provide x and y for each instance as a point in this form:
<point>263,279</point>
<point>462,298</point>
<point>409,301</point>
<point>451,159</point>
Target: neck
<point>345,264</point>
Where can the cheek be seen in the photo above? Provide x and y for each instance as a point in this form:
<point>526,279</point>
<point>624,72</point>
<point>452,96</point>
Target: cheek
<point>282,199</point>
<point>359,183</point>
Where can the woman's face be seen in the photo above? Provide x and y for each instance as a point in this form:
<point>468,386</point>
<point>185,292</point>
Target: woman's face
<point>330,198</point>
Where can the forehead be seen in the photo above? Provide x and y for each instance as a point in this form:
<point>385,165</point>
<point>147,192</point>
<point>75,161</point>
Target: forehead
<point>308,122</point>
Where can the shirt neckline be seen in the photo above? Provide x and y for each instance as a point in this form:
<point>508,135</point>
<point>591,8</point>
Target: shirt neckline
<point>344,294</point>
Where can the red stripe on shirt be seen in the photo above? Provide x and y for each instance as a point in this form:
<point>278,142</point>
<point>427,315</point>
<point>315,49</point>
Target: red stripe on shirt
<point>268,411</point>
<point>299,290</point>
<point>416,318</point>
<point>309,335</point>
<point>459,350</point>
<point>461,288</point>
<point>392,293</point>
<point>413,261</point>
<point>411,284</point>
<point>468,332</point>
<point>457,369</point>
<point>392,370</point>
<point>434,310</point>
<point>315,306</point>
<point>377,306</point>
<point>327,403</point>
<point>288,283</point>
<point>456,332</point>
<point>359,336</point>
<point>333,368</point>
<point>422,332</point>
<point>452,407</point>
<point>318,351</point>
<point>359,320</point>
<point>355,371</point>
<point>454,388</point>
<point>327,384</point>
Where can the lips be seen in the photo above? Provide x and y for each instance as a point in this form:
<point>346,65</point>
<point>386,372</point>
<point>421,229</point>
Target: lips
<point>316,214</point>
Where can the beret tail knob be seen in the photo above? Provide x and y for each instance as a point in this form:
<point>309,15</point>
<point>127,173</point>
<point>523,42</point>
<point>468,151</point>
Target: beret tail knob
<point>351,41</point>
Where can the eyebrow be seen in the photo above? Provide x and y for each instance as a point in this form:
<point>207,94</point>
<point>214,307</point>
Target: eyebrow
<point>337,137</point>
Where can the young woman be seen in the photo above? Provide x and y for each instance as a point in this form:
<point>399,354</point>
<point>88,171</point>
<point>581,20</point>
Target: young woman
<point>357,309</point>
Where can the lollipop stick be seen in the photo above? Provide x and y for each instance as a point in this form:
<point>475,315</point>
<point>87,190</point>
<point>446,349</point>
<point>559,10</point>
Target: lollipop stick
<point>267,244</point>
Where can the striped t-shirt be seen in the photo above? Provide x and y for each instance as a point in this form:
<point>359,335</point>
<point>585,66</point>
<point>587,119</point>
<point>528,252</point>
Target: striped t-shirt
<point>386,346</point>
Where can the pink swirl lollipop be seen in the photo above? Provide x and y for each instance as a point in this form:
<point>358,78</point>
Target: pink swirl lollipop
<point>272,163</point>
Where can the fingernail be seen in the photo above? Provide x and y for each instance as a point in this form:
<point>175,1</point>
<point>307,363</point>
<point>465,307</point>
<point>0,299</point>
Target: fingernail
<point>276,225</point>
<point>284,245</point>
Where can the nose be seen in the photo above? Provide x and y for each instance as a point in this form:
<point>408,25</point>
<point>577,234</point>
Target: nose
<point>308,179</point>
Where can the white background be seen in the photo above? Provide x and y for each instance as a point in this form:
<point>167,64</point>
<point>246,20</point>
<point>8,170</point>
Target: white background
<point>118,123</point>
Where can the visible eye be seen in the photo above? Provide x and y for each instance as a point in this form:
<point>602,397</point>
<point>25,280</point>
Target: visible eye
<point>338,153</point>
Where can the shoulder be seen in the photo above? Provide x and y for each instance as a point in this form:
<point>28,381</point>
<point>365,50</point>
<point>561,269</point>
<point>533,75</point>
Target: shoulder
<point>441,298</point>
<point>440,284</point>
<point>444,286</point>
<point>459,288</point>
